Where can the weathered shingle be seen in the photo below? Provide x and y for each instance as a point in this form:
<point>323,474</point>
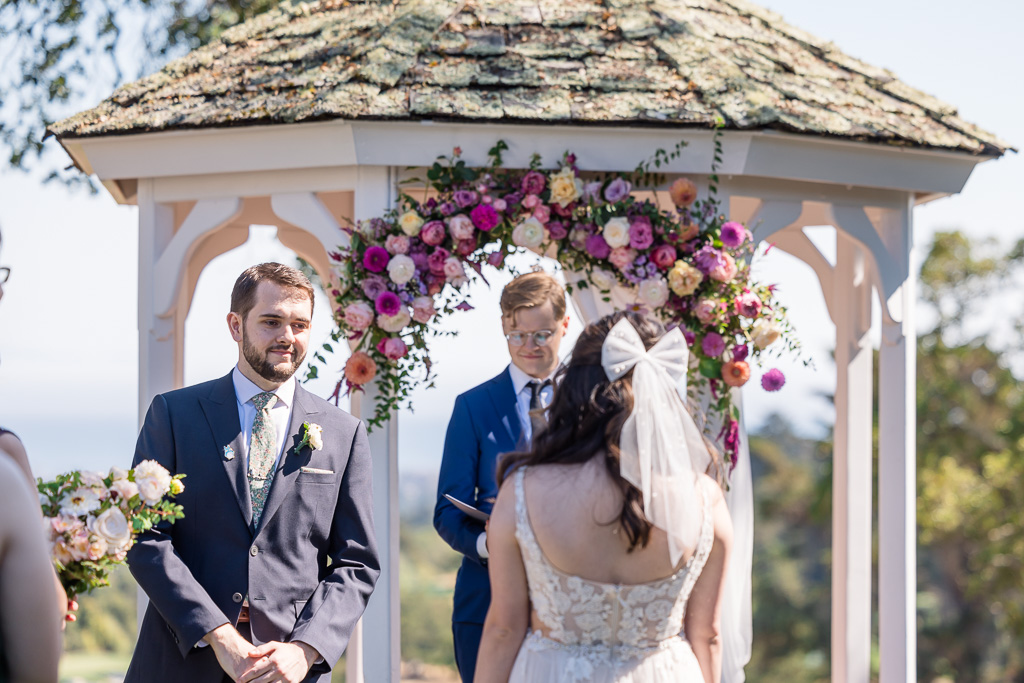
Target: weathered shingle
<point>658,62</point>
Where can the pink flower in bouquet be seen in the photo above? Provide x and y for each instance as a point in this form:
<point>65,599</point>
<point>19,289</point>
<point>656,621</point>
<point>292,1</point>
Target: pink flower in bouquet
<point>733,234</point>
<point>360,369</point>
<point>61,552</point>
<point>531,201</point>
<point>707,259</point>
<point>127,489</point>
<point>496,258</point>
<point>388,303</point>
<point>542,213</point>
<point>373,285</point>
<point>622,257</point>
<point>725,271</point>
<point>423,309</point>
<point>736,373</point>
<point>453,269</point>
<point>664,256</point>
<point>376,259</point>
<point>597,247</point>
<point>740,352</point>
<point>617,190</point>
<point>556,230</point>
<point>499,205</point>
<point>748,304</point>
<point>533,183</point>
<point>641,235</point>
<point>359,315</point>
<point>435,283</point>
<point>460,226</point>
<point>465,247</point>
<point>79,546</point>
<point>562,211</point>
<point>435,262</point>
<point>392,348</point>
<point>485,217</point>
<point>397,244</point>
<point>683,192</point>
<point>433,233</point>
<point>706,311</point>
<point>464,198</point>
<point>713,345</point>
<point>688,230</point>
<point>773,380</point>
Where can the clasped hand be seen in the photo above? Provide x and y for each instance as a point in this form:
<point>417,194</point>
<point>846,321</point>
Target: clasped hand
<point>268,663</point>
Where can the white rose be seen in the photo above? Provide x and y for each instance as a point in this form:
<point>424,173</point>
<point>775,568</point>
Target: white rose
<point>616,232</point>
<point>81,501</point>
<point>91,479</point>
<point>394,323</point>
<point>603,279</point>
<point>316,437</point>
<point>125,489</point>
<point>117,474</point>
<point>112,527</point>
<point>401,268</point>
<point>410,223</point>
<point>153,480</point>
<point>530,234</point>
<point>765,333</point>
<point>654,292</point>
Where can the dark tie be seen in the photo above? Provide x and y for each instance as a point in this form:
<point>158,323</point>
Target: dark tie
<point>537,420</point>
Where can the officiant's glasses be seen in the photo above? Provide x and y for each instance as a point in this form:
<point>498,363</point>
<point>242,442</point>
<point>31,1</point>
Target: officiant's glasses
<point>540,337</point>
<point>5,273</point>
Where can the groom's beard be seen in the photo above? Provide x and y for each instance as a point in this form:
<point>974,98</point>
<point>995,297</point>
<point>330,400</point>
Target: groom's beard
<point>259,362</point>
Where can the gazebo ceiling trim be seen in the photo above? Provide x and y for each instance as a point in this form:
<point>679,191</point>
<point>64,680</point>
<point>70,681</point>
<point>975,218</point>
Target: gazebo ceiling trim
<point>660,63</point>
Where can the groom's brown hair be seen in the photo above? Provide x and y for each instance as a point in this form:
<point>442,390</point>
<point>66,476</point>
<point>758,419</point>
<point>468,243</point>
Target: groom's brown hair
<point>243,294</point>
<point>530,290</point>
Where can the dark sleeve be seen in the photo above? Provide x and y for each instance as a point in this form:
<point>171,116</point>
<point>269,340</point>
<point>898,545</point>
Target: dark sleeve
<point>459,468</point>
<point>181,601</point>
<point>332,611</point>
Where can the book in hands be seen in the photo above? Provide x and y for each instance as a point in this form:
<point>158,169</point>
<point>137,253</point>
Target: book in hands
<point>468,509</point>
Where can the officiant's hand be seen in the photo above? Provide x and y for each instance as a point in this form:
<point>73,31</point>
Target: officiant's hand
<point>275,661</point>
<point>231,649</point>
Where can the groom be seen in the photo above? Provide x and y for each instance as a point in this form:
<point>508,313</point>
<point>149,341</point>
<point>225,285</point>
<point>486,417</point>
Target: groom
<point>274,562</point>
<point>496,417</point>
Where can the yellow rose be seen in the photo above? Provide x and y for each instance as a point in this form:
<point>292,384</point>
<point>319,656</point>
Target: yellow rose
<point>684,278</point>
<point>176,486</point>
<point>565,187</point>
<point>410,222</point>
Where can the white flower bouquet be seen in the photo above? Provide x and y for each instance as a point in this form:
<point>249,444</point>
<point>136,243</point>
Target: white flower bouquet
<point>92,520</point>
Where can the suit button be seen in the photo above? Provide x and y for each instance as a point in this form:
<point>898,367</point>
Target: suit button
<point>237,597</point>
<point>254,551</point>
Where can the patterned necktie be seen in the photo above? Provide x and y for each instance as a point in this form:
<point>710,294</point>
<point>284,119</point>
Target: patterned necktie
<point>262,453</point>
<point>537,420</point>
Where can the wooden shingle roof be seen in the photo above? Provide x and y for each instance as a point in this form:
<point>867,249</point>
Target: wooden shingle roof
<point>609,62</point>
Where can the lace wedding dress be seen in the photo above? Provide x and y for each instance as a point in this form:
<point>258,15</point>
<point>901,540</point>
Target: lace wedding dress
<point>602,632</point>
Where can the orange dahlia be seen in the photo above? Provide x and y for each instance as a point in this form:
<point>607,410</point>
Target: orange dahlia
<point>736,373</point>
<point>360,368</point>
<point>683,192</point>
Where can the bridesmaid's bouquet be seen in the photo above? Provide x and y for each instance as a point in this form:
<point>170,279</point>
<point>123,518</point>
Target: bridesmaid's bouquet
<point>92,520</point>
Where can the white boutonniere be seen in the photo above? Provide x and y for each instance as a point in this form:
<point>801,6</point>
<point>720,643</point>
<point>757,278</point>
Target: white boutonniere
<point>312,436</point>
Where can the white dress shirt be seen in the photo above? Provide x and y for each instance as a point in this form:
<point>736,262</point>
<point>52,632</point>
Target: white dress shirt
<point>280,413</point>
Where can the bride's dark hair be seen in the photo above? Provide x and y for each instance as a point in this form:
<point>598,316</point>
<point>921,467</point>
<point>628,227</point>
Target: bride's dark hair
<point>586,417</point>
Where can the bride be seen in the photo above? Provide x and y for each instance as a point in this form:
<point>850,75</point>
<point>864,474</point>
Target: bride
<point>608,544</point>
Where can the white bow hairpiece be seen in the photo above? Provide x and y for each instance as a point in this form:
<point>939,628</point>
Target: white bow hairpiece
<point>661,448</point>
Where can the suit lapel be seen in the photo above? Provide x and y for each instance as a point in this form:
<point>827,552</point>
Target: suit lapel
<point>292,458</point>
<point>221,409</point>
<point>503,397</point>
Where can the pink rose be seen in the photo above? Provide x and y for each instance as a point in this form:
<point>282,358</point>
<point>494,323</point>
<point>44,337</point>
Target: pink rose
<point>542,213</point>
<point>706,311</point>
<point>435,262</point>
<point>748,305</point>
<point>531,201</point>
<point>433,233</point>
<point>641,235</point>
<point>423,309</point>
<point>533,183</point>
<point>460,226</point>
<point>664,256</point>
<point>359,315</point>
<point>453,269</point>
<point>726,270</point>
<point>465,247</point>
<point>622,257</point>
<point>397,244</point>
<point>393,348</point>
<point>499,204</point>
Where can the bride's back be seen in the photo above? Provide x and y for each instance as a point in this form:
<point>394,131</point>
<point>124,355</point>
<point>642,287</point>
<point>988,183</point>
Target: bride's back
<point>574,512</point>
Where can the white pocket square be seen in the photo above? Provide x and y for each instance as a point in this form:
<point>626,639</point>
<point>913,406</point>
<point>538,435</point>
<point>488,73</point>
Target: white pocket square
<point>315,470</point>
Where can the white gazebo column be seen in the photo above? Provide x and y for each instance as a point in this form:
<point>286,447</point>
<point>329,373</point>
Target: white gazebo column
<point>897,451</point>
<point>374,654</point>
<point>851,482</point>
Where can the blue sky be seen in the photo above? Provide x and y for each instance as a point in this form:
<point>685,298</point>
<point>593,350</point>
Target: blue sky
<point>68,349</point>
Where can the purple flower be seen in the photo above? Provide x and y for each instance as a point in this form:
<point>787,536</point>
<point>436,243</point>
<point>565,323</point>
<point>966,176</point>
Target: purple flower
<point>388,303</point>
<point>773,380</point>
<point>733,235</point>
<point>708,258</point>
<point>430,205</point>
<point>617,190</point>
<point>641,235</point>
<point>534,182</point>
<point>690,337</point>
<point>376,259</point>
<point>448,208</point>
<point>373,285</point>
<point>592,192</point>
<point>513,198</point>
<point>496,258</point>
<point>597,247</point>
<point>713,345</point>
<point>484,217</point>
<point>420,259</point>
<point>436,260</point>
<point>464,198</point>
<point>556,230</point>
<point>740,352</point>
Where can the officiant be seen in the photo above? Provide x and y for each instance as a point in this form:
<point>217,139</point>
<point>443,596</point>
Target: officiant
<point>496,417</point>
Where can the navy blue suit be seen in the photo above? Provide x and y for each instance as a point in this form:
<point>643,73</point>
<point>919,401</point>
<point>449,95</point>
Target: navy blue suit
<point>484,425</point>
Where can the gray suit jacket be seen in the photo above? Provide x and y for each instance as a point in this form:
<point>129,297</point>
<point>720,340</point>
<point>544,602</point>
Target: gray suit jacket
<point>309,567</point>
